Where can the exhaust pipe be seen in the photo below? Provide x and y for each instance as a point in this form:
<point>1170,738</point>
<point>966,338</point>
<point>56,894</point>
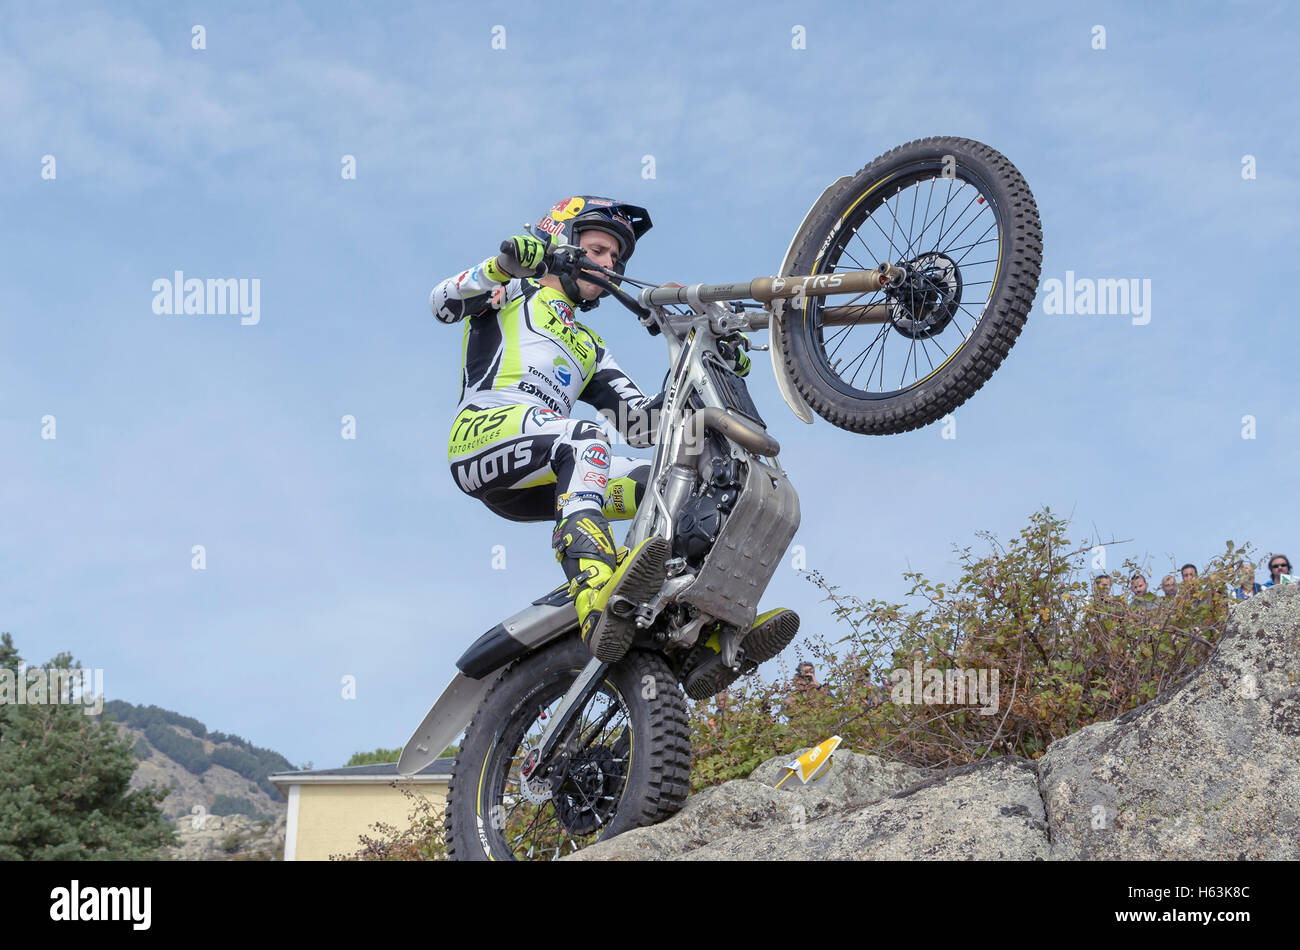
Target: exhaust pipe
<point>735,427</point>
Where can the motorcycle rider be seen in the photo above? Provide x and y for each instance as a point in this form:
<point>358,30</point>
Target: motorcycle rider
<point>513,445</point>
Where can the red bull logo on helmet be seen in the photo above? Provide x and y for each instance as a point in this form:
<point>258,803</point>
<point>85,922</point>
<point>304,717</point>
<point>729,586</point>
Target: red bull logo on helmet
<point>566,209</point>
<point>551,227</point>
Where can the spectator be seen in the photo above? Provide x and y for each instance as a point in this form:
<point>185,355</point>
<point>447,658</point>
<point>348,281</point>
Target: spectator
<point>1248,587</point>
<point>805,687</point>
<point>805,678</point>
<point>1169,586</point>
<point>1279,566</point>
<point>1142,596</point>
<point>1098,600</point>
<point>721,701</point>
<point>1188,571</point>
<point>1101,585</point>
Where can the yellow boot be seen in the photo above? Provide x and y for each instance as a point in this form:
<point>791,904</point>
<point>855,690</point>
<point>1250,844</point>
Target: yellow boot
<point>599,570</point>
<point>705,674</point>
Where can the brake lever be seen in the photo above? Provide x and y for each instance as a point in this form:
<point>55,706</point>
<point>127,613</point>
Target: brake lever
<point>622,296</point>
<point>573,259</point>
<point>581,267</point>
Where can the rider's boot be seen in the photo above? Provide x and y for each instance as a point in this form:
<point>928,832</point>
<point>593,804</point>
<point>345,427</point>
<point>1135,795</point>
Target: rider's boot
<point>706,675</point>
<point>598,570</point>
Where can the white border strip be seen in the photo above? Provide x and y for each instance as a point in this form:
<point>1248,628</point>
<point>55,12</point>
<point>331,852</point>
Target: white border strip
<point>291,825</point>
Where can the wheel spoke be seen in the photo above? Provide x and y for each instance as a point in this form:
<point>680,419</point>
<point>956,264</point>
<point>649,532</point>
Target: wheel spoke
<point>943,224</point>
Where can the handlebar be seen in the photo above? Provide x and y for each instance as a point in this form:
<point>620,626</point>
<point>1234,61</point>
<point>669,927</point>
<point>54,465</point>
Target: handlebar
<point>767,289</point>
<point>572,260</point>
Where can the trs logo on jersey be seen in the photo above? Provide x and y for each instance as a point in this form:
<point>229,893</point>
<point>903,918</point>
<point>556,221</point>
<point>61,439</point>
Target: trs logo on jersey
<point>596,455</point>
<point>562,371</point>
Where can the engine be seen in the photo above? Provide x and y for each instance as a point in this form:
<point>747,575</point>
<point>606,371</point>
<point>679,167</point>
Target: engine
<point>705,512</point>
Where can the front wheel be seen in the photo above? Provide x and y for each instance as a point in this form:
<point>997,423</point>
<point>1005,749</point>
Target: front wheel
<point>960,222</point>
<point>630,764</point>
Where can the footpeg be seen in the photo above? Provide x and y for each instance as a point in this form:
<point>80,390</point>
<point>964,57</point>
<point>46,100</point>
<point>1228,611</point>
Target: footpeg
<point>621,606</point>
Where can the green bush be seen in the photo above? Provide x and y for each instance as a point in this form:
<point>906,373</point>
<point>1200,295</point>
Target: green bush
<point>421,840</point>
<point>1062,659</point>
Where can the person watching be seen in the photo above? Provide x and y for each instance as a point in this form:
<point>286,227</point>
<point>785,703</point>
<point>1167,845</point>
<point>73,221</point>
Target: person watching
<point>1279,567</point>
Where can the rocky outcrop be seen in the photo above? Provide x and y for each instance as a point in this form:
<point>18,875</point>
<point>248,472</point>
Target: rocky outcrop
<point>228,838</point>
<point>1209,769</point>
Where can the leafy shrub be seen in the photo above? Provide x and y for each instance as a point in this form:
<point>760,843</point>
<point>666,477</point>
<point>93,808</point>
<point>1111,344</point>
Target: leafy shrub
<point>1021,613</point>
<point>421,840</point>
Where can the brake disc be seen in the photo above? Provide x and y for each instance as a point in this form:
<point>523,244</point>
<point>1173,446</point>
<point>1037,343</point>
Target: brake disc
<point>536,789</point>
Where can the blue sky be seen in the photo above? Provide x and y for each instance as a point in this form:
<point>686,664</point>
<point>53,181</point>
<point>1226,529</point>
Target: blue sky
<point>329,557</point>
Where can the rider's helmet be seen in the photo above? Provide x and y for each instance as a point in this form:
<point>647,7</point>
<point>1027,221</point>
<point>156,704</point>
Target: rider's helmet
<point>572,215</point>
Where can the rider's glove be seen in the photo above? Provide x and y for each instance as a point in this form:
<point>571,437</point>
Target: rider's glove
<point>733,349</point>
<point>521,256</point>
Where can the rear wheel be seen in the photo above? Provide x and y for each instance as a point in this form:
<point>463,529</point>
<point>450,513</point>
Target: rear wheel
<point>629,764</point>
<point>960,221</point>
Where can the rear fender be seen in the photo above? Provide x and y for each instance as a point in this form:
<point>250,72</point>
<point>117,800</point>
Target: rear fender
<point>546,619</point>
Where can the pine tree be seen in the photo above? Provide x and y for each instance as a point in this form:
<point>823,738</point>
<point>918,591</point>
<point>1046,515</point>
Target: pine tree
<point>64,775</point>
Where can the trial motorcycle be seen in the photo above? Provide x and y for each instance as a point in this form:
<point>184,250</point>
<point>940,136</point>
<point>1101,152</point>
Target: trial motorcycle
<point>933,250</point>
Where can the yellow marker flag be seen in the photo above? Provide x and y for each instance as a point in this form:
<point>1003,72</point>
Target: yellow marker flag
<point>814,763</point>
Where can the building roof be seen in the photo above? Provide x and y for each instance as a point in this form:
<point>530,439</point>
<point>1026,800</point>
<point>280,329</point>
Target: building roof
<point>437,771</point>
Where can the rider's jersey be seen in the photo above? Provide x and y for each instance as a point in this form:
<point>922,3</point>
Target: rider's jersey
<point>531,351</point>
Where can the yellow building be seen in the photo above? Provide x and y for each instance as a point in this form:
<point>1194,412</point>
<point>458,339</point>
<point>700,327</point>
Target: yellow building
<point>329,809</point>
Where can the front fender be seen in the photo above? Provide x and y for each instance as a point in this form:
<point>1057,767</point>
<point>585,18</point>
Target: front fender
<point>798,405</point>
<point>443,723</point>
